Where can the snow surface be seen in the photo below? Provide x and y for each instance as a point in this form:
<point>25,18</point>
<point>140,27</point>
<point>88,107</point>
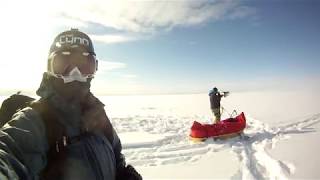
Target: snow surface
<point>283,130</point>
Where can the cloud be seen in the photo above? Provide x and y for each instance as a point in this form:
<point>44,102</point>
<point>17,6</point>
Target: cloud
<point>129,20</point>
<point>69,22</point>
<point>129,76</point>
<point>150,16</point>
<point>104,66</point>
<point>242,12</point>
<point>116,38</point>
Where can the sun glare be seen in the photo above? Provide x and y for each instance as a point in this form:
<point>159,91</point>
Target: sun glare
<point>26,37</point>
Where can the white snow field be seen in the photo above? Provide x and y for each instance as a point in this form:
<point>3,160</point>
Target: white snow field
<point>282,130</point>
<point>281,138</point>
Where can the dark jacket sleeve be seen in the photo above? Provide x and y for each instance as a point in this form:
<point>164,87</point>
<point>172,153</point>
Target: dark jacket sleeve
<point>10,166</point>
<point>117,148</point>
<point>23,146</point>
<point>114,139</point>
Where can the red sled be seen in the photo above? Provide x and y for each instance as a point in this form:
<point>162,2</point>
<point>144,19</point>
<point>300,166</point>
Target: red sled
<point>226,128</point>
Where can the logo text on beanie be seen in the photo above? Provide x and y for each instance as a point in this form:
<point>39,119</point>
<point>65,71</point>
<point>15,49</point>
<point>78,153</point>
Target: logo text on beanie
<point>70,39</point>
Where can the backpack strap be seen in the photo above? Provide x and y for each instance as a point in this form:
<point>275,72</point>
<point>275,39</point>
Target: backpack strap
<point>53,129</point>
<point>56,136</point>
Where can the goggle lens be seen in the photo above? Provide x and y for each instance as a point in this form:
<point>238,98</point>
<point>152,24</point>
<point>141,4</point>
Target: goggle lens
<point>65,61</point>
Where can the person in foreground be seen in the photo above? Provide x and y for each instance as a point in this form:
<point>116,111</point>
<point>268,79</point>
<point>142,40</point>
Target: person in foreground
<point>215,99</point>
<point>66,134</point>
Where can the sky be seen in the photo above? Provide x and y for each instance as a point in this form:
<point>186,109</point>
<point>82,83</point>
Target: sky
<point>174,46</point>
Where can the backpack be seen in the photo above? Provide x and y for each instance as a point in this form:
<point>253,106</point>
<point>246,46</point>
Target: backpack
<point>12,105</point>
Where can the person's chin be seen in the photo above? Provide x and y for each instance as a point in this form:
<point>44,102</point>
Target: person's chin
<point>78,96</point>
<point>73,92</point>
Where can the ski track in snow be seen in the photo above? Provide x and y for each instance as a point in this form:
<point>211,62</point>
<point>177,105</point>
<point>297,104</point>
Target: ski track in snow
<point>175,147</point>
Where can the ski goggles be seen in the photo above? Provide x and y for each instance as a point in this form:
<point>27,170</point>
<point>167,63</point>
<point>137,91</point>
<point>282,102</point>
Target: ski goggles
<point>72,65</point>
